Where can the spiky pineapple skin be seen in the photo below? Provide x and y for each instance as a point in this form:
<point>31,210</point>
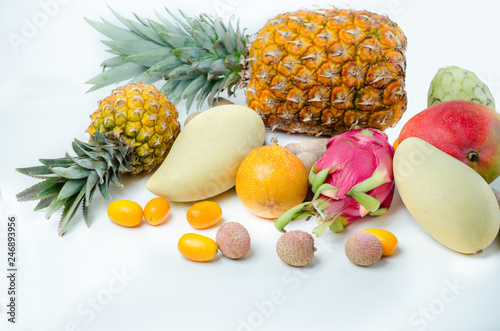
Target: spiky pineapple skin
<point>143,118</point>
<point>324,72</point>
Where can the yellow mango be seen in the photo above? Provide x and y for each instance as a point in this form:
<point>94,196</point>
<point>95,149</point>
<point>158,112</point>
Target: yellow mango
<point>206,155</point>
<point>449,200</point>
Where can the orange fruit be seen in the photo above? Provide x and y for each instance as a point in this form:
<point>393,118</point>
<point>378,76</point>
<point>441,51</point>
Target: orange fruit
<point>196,247</point>
<point>396,143</point>
<point>125,213</point>
<point>388,240</point>
<point>270,180</point>
<point>204,214</point>
<point>156,211</point>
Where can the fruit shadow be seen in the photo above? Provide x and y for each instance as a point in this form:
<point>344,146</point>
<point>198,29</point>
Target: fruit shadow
<point>245,257</point>
<point>215,259</point>
<point>492,249</point>
<point>219,198</point>
<point>384,260</point>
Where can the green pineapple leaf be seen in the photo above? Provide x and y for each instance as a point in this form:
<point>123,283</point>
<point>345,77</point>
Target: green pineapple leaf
<point>40,172</point>
<point>203,52</point>
<point>70,208</point>
<point>73,172</point>
<point>42,190</point>
<point>71,181</point>
<point>43,203</point>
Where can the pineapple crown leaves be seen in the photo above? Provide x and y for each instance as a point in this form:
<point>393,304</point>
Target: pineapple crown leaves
<point>197,56</point>
<point>71,181</point>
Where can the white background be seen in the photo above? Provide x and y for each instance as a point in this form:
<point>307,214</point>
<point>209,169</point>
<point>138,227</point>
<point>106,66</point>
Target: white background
<point>113,278</point>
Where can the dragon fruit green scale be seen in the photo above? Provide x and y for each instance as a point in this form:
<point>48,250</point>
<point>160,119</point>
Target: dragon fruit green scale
<point>353,179</point>
<point>454,83</point>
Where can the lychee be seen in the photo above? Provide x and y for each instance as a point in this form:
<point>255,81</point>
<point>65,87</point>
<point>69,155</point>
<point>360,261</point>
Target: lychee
<point>296,248</point>
<point>363,248</point>
<point>233,240</point>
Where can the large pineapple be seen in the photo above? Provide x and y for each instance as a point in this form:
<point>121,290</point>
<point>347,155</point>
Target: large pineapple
<point>318,72</point>
<point>131,131</point>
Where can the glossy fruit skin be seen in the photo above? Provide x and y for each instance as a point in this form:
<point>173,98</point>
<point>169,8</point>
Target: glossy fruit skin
<point>388,240</point>
<point>156,211</point>
<point>126,213</point>
<point>196,247</point>
<point>468,131</point>
<point>395,144</point>
<point>271,180</point>
<point>204,214</point>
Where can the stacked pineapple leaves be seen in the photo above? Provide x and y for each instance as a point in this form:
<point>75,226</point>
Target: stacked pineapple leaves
<point>71,180</point>
<point>198,57</point>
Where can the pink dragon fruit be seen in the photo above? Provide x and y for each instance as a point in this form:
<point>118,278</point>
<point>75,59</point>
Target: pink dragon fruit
<point>353,178</point>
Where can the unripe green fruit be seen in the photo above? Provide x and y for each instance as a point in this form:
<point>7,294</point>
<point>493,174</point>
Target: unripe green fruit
<point>454,83</point>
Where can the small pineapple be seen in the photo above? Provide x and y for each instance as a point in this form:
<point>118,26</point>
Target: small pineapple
<point>131,132</point>
<point>319,72</point>
<point>143,118</point>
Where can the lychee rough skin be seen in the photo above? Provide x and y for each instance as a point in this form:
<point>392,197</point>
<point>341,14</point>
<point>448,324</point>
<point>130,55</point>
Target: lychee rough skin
<point>296,248</point>
<point>363,248</point>
<point>233,240</point>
